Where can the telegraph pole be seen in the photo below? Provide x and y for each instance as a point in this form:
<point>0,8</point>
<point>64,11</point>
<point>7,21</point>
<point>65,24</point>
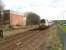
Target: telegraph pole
<point>1,18</point>
<point>1,13</point>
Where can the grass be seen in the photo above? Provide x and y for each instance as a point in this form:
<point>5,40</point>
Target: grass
<point>64,28</point>
<point>61,26</point>
<point>53,43</point>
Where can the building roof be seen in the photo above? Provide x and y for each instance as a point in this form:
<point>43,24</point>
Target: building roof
<point>13,12</point>
<point>17,13</point>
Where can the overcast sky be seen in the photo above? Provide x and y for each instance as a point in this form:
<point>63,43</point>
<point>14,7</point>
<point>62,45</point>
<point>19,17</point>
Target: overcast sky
<point>47,9</point>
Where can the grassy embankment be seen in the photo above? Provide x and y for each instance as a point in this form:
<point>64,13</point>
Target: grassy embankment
<point>53,41</point>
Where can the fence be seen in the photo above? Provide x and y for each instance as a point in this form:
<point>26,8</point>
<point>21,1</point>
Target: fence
<point>62,33</point>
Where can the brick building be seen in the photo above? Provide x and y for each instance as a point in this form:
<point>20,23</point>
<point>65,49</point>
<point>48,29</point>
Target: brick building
<point>12,18</point>
<point>17,18</point>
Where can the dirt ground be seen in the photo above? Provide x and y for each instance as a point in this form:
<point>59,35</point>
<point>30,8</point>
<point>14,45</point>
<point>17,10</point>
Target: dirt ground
<point>33,40</point>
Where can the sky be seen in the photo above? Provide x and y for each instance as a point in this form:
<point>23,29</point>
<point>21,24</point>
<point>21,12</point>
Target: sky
<point>46,9</point>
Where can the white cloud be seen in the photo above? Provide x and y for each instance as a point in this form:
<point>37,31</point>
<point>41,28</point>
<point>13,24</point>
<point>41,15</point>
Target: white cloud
<point>48,9</point>
<point>57,3</point>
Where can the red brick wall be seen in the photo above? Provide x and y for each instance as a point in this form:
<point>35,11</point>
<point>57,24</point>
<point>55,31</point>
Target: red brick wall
<point>17,20</point>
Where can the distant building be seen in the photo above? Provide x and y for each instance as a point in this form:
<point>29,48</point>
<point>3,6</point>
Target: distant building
<point>17,18</point>
<point>32,18</point>
<point>13,18</point>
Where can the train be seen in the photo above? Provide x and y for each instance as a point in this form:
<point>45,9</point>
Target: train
<point>42,26</point>
<point>45,25</point>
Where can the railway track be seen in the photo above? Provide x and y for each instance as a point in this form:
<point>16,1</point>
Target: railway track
<point>30,40</point>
